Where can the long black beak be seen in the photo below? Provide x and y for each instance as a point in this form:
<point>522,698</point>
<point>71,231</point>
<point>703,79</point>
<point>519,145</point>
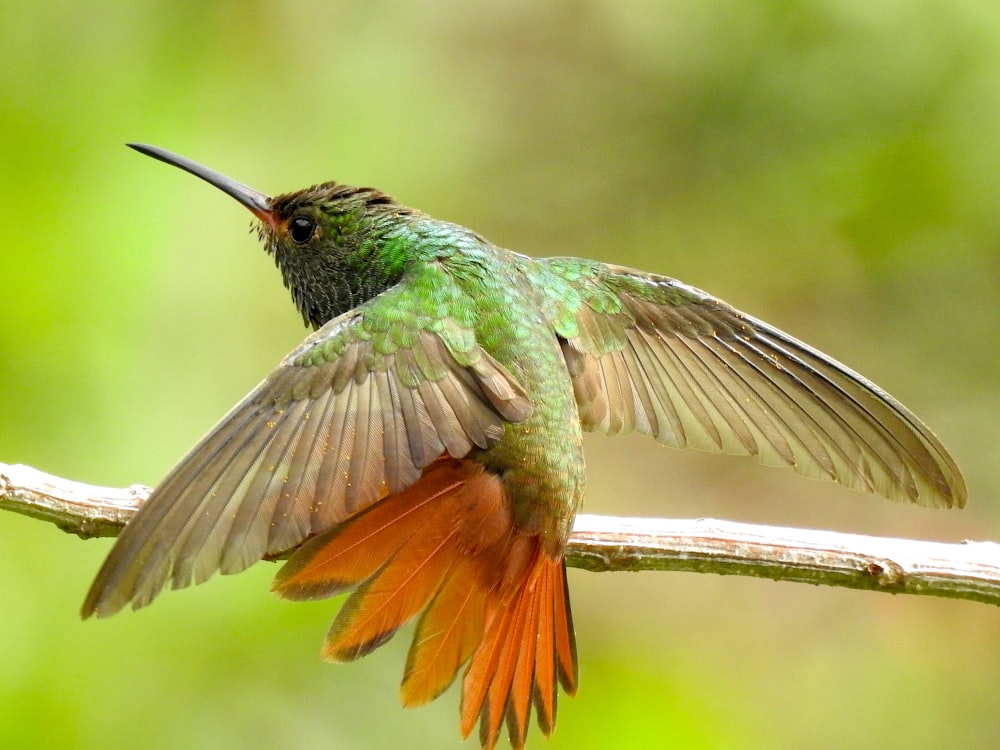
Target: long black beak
<point>255,200</point>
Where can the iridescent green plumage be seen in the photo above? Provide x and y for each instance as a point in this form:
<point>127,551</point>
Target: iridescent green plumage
<point>432,343</point>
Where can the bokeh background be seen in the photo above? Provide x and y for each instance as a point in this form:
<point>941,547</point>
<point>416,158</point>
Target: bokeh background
<point>829,166</point>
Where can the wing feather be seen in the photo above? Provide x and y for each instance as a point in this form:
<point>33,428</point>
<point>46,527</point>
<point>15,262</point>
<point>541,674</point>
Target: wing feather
<point>648,353</point>
<point>355,412</point>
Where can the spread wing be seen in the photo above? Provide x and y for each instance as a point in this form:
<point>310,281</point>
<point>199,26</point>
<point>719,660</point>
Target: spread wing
<point>651,354</point>
<point>355,412</point>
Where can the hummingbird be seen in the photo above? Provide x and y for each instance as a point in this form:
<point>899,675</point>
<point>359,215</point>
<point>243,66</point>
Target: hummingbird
<point>422,448</point>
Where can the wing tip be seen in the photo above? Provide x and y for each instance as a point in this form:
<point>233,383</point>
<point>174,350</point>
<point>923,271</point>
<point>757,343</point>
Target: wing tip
<point>946,492</point>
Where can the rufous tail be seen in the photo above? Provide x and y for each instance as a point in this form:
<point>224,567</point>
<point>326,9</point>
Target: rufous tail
<point>447,550</point>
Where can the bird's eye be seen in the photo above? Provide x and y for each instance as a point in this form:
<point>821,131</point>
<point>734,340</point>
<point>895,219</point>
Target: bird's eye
<point>301,229</point>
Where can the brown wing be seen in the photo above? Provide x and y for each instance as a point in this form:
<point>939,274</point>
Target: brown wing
<point>651,354</point>
<point>355,412</point>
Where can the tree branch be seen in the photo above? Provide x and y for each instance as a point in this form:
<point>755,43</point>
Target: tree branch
<point>969,570</point>
<point>82,509</point>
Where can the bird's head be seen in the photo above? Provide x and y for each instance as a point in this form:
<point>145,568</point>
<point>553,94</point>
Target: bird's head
<point>326,239</point>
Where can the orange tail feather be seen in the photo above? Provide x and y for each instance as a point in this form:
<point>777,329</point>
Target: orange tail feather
<point>527,643</point>
<point>446,635</point>
<point>447,549</point>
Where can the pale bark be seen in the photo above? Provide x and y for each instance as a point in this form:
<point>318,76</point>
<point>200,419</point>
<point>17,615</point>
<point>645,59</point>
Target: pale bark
<point>964,570</point>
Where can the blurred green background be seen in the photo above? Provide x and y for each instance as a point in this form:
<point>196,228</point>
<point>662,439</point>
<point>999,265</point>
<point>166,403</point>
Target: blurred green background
<point>831,167</point>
